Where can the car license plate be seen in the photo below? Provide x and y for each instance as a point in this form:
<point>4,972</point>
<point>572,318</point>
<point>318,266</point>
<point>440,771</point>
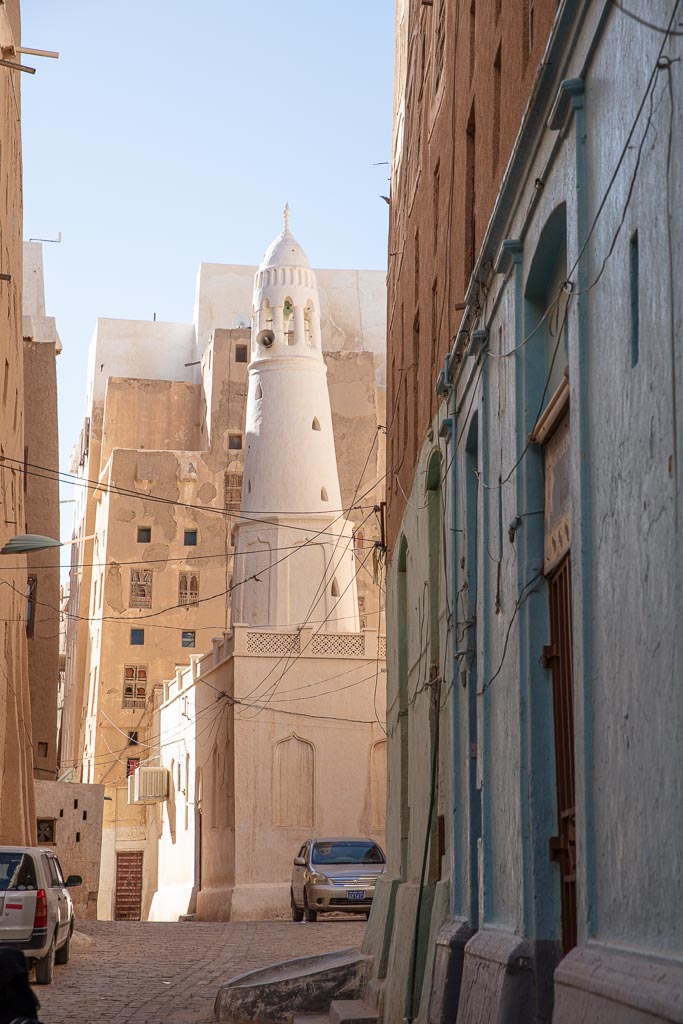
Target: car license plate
<point>356,894</point>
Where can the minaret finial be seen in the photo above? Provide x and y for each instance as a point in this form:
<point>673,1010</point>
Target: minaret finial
<point>286,216</point>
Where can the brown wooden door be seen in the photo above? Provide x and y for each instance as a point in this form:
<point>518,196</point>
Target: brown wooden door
<point>563,845</point>
<point>128,905</point>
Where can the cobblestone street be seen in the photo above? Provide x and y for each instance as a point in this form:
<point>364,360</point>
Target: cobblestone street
<point>169,973</point>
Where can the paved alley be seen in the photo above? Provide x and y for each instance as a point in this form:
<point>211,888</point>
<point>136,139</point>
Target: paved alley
<point>169,973</point>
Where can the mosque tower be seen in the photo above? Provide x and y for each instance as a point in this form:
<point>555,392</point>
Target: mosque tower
<point>294,561</point>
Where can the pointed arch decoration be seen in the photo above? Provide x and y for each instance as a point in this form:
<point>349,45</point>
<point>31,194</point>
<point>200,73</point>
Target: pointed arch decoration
<point>293,782</point>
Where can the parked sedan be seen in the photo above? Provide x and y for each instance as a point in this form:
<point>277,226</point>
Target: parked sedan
<point>36,910</point>
<point>332,875</point>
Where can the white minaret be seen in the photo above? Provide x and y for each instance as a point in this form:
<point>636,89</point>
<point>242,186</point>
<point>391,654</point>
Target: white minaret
<point>292,531</point>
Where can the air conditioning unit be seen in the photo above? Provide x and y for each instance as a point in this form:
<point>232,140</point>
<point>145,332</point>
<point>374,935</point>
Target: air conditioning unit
<point>148,785</point>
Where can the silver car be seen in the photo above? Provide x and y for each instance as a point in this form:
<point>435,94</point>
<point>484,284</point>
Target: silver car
<point>36,910</point>
<point>332,875</point>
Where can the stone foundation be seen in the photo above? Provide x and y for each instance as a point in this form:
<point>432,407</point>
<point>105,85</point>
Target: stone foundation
<point>597,986</point>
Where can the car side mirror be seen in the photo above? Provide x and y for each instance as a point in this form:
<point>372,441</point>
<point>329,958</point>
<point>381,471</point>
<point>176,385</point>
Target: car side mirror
<point>299,862</point>
<point>73,880</point>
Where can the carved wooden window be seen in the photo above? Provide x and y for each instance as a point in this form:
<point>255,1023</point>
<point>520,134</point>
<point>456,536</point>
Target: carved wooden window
<point>233,491</point>
<point>188,589</point>
<point>134,686</point>
<point>140,588</point>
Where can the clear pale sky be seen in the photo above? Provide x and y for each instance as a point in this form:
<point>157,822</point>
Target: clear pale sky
<point>172,133</point>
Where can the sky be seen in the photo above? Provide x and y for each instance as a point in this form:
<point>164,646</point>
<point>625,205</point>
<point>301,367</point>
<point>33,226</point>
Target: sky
<point>169,134</point>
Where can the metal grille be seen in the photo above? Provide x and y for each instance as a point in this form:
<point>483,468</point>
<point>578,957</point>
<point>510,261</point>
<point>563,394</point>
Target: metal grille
<point>272,643</point>
<point>563,846</point>
<point>341,645</point>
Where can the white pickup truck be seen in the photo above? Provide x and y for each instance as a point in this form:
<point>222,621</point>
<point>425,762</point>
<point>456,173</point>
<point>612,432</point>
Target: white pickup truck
<point>36,910</point>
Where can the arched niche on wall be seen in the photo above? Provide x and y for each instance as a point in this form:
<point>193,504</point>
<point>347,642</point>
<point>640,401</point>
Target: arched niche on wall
<point>378,785</point>
<point>293,782</point>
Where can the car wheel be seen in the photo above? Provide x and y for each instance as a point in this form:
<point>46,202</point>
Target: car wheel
<point>310,915</point>
<point>297,914</point>
<point>62,954</point>
<point>45,967</point>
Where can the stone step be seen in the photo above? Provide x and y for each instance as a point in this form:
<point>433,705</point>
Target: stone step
<point>348,1011</point>
<point>375,993</point>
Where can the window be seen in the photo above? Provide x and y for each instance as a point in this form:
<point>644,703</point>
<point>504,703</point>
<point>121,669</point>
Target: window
<point>190,538</point>
<point>316,423</point>
<point>634,288</point>
<point>188,589</point>
<point>31,594</point>
<point>188,638</point>
<point>17,871</point>
<point>323,494</point>
<point>134,686</point>
<point>235,442</point>
<point>140,588</point>
<point>137,637</point>
<point>144,534</point>
<point>132,740</point>
<point>233,491</point>
<point>42,749</point>
<point>241,355</point>
<point>46,830</point>
<point>335,588</point>
<point>132,765</point>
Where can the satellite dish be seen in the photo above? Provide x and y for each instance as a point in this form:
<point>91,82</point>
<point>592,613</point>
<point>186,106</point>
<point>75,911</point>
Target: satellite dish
<point>265,338</point>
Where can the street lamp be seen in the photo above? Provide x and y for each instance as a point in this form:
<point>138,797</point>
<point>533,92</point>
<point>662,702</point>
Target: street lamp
<point>27,542</point>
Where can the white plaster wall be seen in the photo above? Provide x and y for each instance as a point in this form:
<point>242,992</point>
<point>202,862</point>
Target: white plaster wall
<point>138,348</point>
<point>353,305</point>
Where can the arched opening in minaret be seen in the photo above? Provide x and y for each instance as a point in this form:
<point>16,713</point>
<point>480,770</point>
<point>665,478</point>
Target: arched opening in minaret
<point>288,320</point>
<point>316,423</point>
<point>259,391</point>
<point>335,588</point>
<point>308,323</point>
<point>323,494</point>
<point>265,317</point>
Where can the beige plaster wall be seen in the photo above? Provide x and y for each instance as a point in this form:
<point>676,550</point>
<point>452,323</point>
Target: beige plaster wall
<point>41,446</point>
<point>17,814</point>
<point>77,813</point>
<point>214,721</point>
<point>148,414</point>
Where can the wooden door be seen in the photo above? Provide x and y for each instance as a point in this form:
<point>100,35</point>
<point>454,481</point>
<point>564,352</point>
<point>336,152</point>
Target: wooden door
<point>563,845</point>
<point>128,906</point>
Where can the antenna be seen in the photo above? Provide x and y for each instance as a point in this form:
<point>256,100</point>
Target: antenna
<point>57,239</point>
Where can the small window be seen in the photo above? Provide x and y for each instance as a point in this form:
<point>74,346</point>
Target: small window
<point>42,750</point>
<point>323,494</point>
<point>144,534</point>
<point>335,588</point>
<point>137,637</point>
<point>132,765</point>
<point>259,391</point>
<point>188,638</point>
<point>190,539</point>
<point>31,598</point>
<point>316,423</point>
<point>235,442</point>
<point>133,738</point>
<point>233,491</point>
<point>46,830</point>
<point>241,354</point>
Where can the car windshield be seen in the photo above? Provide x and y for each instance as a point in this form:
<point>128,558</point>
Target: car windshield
<point>17,871</point>
<point>347,852</point>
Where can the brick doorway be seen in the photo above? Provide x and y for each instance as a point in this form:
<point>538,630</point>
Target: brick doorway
<point>128,905</point>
